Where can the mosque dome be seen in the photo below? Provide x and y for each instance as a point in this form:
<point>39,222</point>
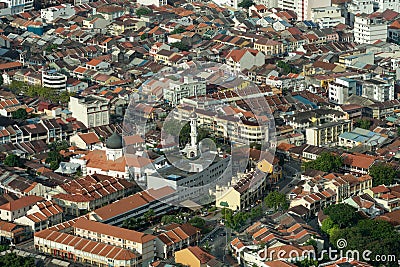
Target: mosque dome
<point>114,141</point>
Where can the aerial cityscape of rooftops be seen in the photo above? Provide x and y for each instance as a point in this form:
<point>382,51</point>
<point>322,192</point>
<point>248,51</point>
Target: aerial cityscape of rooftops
<point>160,133</point>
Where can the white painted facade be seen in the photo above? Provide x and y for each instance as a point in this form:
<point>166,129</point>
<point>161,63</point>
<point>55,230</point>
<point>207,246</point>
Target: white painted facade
<point>369,29</point>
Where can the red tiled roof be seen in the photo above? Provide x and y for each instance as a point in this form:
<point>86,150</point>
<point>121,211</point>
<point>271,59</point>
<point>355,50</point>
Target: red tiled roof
<point>21,203</point>
<point>89,138</point>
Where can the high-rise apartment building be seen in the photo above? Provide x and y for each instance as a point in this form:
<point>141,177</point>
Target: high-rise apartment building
<point>370,28</point>
<point>303,7</point>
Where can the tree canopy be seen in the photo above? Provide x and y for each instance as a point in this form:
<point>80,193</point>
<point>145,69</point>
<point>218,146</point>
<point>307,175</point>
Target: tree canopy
<point>342,215</point>
<point>54,158</point>
<point>383,173</point>
<point>13,260</point>
<point>167,219</point>
<point>326,162</point>
<point>276,200</point>
<point>143,11</point>
<point>286,68</point>
<point>13,161</point>
<point>20,114</point>
<point>197,222</point>
<point>377,236</point>
<point>180,46</point>
<point>246,3</point>
<point>37,91</point>
<point>59,145</point>
<point>132,223</point>
<point>178,30</point>
<point>363,123</point>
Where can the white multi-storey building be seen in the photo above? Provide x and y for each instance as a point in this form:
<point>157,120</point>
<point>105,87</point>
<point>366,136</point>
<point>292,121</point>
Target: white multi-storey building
<point>341,89</point>
<point>52,13</point>
<point>152,2</point>
<point>388,4</point>
<point>18,6</point>
<point>229,3</point>
<point>370,28</point>
<point>54,80</point>
<point>358,7</point>
<point>327,133</point>
<point>327,17</point>
<point>187,87</point>
<point>378,89</point>
<point>267,3</point>
<point>92,111</point>
<point>303,7</point>
<point>241,59</point>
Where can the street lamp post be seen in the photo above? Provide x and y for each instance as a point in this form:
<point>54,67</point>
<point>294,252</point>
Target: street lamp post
<point>225,205</point>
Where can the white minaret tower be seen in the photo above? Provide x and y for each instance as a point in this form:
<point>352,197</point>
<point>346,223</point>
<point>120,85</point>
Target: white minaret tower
<point>191,149</point>
<point>193,131</point>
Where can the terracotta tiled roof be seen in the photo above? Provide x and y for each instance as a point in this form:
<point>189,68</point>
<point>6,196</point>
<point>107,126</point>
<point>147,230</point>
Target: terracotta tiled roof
<point>86,245</point>
<point>237,55</point>
<point>132,202</point>
<point>7,226</point>
<point>200,254</point>
<point>89,138</point>
<point>94,62</point>
<point>25,201</point>
<point>114,231</point>
<point>98,159</point>
<point>358,160</point>
<point>380,189</point>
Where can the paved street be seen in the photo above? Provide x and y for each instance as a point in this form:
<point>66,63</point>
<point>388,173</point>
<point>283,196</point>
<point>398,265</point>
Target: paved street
<point>291,176</point>
<point>218,241</point>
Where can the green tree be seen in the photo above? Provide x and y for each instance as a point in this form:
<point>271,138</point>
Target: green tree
<point>383,173</point>
<point>1,80</point>
<point>16,87</point>
<point>311,242</point>
<point>256,145</point>
<point>198,222</point>
<point>239,220</point>
<point>363,123</point>
<point>246,4</point>
<point>307,263</point>
<point>132,223</point>
<point>54,158</point>
<point>342,215</point>
<point>50,48</point>
<point>64,96</point>
<point>378,236</point>
<point>13,260</point>
<point>178,30</point>
<point>256,212</point>
<point>286,68</point>
<point>167,219</point>
<point>141,11</point>
<point>326,162</point>
<point>184,135</point>
<point>144,36</point>
<point>54,165</point>
<point>327,225</point>
<point>276,200</point>
<point>20,114</point>
<point>59,145</point>
<point>12,161</point>
<point>149,215</point>
<point>180,46</point>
